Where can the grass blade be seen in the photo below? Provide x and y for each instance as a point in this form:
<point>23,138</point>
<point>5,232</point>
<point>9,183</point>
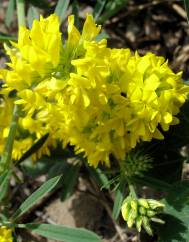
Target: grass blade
<point>36,196</point>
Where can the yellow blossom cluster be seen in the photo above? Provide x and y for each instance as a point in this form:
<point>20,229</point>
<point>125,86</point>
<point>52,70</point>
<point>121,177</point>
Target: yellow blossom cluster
<point>5,234</point>
<point>101,100</point>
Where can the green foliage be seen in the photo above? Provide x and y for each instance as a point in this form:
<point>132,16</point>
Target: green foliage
<point>6,38</point>
<point>32,14</point>
<point>70,179</point>
<point>176,215</point>
<point>62,233</point>
<point>10,12</point>
<point>119,197</point>
<point>61,8</point>
<point>4,184</point>
<point>36,196</point>
<point>43,4</point>
<point>35,147</point>
<point>100,177</point>
<point>98,8</point>
<point>111,8</point>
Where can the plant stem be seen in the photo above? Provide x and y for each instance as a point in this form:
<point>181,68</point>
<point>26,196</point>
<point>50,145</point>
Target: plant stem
<point>132,190</point>
<point>20,5</point>
<point>7,153</point>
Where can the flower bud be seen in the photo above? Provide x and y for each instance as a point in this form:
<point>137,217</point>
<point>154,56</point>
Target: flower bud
<point>141,212</point>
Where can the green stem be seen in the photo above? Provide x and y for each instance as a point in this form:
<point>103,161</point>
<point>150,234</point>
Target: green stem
<point>20,5</point>
<point>6,158</point>
<point>132,190</point>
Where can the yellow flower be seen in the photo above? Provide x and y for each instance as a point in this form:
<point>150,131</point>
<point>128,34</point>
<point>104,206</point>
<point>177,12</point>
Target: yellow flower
<point>115,100</point>
<point>5,234</point>
<point>103,101</point>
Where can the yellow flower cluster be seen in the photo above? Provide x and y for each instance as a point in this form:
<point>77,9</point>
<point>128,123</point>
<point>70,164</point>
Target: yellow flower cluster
<point>5,234</point>
<point>101,100</point>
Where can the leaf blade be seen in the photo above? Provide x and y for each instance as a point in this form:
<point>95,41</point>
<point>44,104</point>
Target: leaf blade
<point>36,196</point>
<point>62,233</point>
<point>119,197</point>
<point>61,8</point>
<point>4,183</point>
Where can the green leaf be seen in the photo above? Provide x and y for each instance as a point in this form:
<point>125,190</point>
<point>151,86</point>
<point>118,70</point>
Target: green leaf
<point>70,180</point>
<point>43,4</point>
<point>119,197</point>
<point>32,14</point>
<point>10,12</point>
<point>186,2</point>
<point>152,182</point>
<point>100,177</point>
<point>98,8</point>
<point>176,228</point>
<point>35,169</point>
<point>4,184</point>
<point>75,12</point>
<point>62,233</point>
<point>34,148</point>
<point>6,38</point>
<point>112,7</point>
<point>61,9</point>
<point>102,35</point>
<point>36,196</point>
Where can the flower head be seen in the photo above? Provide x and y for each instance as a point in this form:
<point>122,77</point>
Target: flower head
<point>103,101</point>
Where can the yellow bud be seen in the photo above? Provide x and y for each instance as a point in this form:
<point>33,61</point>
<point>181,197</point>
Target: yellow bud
<point>143,202</point>
<point>142,211</point>
<point>146,225</point>
<point>157,220</point>
<point>155,204</point>
<point>131,218</point>
<point>125,209</point>
<point>138,223</point>
<point>134,205</point>
<point>150,213</point>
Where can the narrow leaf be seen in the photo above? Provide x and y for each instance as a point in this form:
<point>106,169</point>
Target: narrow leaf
<point>70,179</point>
<point>43,4</point>
<point>152,182</point>
<point>62,233</point>
<point>32,14</point>
<point>98,8</point>
<point>75,12</point>
<point>36,196</point>
<point>100,177</point>
<point>10,13</point>
<point>112,7</point>
<point>34,148</point>
<point>4,184</point>
<point>119,197</point>
<point>61,8</point>
<point>6,38</point>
